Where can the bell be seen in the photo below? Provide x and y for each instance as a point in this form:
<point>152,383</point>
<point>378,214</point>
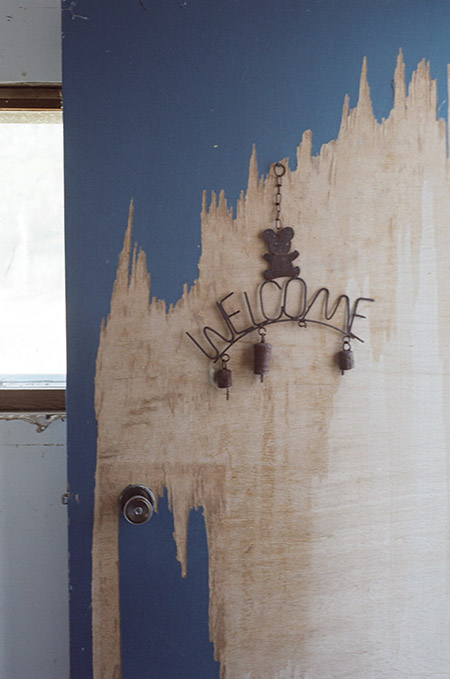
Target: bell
<point>224,379</point>
<point>261,358</point>
<point>346,360</point>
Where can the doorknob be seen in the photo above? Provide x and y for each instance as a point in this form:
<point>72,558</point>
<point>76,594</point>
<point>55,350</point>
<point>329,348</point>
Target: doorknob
<point>137,504</point>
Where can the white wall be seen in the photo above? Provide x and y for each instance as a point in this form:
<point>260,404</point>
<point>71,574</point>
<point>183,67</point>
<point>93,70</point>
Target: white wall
<point>34,628</point>
<point>30,41</point>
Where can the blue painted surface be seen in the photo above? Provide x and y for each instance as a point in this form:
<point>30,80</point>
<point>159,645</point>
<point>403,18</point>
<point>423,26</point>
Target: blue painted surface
<point>164,98</point>
<point>179,605</point>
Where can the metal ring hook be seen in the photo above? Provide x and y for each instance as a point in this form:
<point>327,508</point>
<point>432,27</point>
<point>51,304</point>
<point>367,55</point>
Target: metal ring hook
<point>279,170</point>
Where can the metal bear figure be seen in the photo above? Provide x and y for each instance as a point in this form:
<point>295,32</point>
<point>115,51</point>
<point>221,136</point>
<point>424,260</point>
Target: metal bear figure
<point>281,259</point>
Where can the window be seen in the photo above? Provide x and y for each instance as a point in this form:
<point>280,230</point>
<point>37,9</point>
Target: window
<point>32,298</point>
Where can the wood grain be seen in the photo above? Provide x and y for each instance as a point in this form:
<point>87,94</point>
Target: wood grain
<point>32,400</point>
<point>325,497</point>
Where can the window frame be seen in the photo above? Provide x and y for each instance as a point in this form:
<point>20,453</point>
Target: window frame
<point>31,97</point>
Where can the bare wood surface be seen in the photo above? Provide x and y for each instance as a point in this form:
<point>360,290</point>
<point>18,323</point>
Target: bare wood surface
<point>325,496</point>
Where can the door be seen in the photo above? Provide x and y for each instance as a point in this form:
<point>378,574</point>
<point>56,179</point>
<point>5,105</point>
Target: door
<point>297,508</point>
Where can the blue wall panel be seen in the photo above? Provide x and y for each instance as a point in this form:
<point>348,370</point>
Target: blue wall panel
<point>165,98</point>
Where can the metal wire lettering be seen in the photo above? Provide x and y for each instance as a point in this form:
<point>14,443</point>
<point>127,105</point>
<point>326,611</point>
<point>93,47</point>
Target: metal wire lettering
<point>302,319</point>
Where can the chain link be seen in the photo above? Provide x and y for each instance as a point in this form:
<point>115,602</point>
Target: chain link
<point>279,171</point>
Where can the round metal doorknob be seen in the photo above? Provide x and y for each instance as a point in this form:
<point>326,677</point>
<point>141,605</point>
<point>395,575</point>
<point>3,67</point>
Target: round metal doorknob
<point>137,504</point>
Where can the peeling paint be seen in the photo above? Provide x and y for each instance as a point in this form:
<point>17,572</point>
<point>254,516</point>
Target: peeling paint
<point>325,498</point>
<point>38,420</point>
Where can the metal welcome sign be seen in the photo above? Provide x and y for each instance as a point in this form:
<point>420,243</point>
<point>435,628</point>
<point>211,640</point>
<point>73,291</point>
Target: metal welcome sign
<point>294,306</point>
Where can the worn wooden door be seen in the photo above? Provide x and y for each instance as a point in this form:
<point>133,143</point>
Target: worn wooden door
<point>310,511</point>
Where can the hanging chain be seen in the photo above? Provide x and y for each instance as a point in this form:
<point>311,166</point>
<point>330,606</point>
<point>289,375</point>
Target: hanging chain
<point>279,171</point>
